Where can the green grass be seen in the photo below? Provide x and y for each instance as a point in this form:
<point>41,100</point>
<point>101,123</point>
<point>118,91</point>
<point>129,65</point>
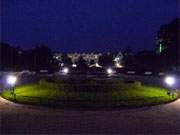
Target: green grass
<point>92,93</point>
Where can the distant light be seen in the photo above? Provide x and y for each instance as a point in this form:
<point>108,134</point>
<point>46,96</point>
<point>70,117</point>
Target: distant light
<point>97,65</point>
<point>170,80</point>
<point>109,71</point>
<point>65,70</point>
<point>116,59</point>
<point>147,73</point>
<point>62,64</point>
<point>119,65</point>
<point>131,72</point>
<point>161,73</point>
<point>11,80</point>
<point>160,48</point>
<point>74,65</point>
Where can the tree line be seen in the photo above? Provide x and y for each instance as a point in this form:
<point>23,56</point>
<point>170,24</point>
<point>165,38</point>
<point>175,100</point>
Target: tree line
<point>163,58</point>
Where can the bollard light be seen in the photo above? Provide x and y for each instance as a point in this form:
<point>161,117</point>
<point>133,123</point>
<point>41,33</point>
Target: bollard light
<point>109,71</point>
<point>170,80</point>
<point>65,70</point>
<point>11,80</point>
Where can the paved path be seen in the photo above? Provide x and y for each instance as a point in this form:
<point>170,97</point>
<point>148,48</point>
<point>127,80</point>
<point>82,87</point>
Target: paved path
<point>161,119</point>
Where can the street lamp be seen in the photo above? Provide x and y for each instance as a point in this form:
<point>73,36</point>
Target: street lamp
<point>65,70</point>
<point>110,71</point>
<point>170,81</point>
<point>11,80</point>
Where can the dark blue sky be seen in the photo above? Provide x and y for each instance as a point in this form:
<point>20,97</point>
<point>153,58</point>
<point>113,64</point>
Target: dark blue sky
<point>85,25</point>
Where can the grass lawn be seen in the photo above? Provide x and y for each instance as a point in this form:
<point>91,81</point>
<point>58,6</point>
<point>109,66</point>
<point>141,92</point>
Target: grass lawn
<point>91,93</point>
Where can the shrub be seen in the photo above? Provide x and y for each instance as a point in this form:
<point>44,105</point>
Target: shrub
<point>58,79</point>
<point>45,83</point>
<point>92,83</point>
<point>137,84</point>
<point>117,81</point>
<point>50,80</point>
<point>42,82</point>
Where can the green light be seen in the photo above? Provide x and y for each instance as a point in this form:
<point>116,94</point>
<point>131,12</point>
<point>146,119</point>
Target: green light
<point>160,48</point>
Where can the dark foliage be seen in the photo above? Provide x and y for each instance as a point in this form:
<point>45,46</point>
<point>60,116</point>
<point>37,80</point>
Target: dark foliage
<point>16,59</point>
<point>168,37</point>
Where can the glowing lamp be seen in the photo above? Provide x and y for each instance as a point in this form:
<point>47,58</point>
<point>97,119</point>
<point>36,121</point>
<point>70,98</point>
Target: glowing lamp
<point>65,70</point>
<point>109,71</point>
<point>11,80</point>
<point>119,65</point>
<point>74,65</point>
<point>169,80</point>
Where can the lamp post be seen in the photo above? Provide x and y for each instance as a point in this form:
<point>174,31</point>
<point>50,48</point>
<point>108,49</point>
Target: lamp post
<point>110,71</point>
<point>11,80</point>
<point>65,70</point>
<point>170,81</point>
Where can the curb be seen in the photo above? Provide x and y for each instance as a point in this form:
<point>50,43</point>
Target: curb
<point>29,106</point>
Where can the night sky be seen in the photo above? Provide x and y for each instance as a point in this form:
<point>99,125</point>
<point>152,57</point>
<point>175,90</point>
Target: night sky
<point>85,25</point>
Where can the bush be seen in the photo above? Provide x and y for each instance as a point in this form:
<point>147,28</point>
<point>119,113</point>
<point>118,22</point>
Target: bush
<point>45,83</point>
<point>58,80</point>
<point>92,83</point>
<point>42,82</point>
<point>117,81</point>
<point>137,84</point>
<point>50,80</point>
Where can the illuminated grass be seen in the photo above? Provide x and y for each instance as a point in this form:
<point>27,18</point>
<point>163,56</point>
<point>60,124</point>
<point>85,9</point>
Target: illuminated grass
<point>90,94</point>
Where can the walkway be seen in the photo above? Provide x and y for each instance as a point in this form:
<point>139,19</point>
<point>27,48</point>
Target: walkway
<point>161,119</point>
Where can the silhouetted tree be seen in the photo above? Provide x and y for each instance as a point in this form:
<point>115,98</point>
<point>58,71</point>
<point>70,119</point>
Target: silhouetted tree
<point>66,60</point>
<point>146,61</point>
<point>42,57</point>
<point>106,60</point>
<point>10,57</point>
<point>16,59</point>
<point>168,43</point>
<point>6,58</point>
<point>81,64</point>
<point>129,60</point>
